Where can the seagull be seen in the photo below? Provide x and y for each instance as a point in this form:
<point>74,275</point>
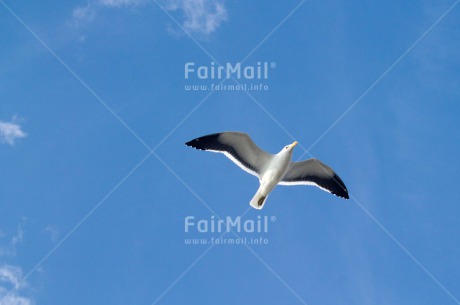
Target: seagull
<point>271,169</point>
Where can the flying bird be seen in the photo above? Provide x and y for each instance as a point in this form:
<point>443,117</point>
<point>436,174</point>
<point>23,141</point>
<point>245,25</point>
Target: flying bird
<point>271,169</point>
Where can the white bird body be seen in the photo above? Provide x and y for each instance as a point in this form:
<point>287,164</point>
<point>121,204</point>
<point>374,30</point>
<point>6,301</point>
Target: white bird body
<point>271,169</point>
<point>272,175</point>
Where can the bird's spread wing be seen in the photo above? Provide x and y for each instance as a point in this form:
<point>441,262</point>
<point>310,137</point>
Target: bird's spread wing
<point>315,172</point>
<point>238,147</point>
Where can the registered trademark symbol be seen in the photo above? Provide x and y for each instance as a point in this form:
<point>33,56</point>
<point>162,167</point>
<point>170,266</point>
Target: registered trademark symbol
<point>273,65</point>
<point>273,218</point>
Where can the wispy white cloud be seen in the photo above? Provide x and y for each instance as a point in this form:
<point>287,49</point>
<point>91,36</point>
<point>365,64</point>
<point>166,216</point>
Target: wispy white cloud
<point>83,14</point>
<point>195,16</point>
<point>9,250</point>
<point>13,298</point>
<point>10,275</point>
<point>11,283</point>
<point>11,131</point>
<point>120,3</point>
<point>17,239</point>
<point>52,232</point>
<point>200,16</point>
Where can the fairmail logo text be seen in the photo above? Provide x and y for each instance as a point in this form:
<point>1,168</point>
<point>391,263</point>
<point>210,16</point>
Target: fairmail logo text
<point>237,71</point>
<point>226,224</point>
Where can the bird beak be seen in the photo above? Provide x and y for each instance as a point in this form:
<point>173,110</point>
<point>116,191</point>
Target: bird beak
<point>294,144</point>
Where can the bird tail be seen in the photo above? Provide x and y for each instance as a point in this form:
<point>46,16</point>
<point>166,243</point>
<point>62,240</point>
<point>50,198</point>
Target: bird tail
<point>258,201</point>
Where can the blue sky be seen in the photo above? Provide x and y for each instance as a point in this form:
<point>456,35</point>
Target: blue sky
<point>96,181</point>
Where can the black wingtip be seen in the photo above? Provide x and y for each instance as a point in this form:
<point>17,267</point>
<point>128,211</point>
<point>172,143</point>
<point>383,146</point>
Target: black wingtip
<point>344,194</point>
<point>204,142</point>
<point>341,190</point>
<point>195,143</point>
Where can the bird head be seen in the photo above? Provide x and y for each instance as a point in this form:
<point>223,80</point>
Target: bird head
<point>289,148</point>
